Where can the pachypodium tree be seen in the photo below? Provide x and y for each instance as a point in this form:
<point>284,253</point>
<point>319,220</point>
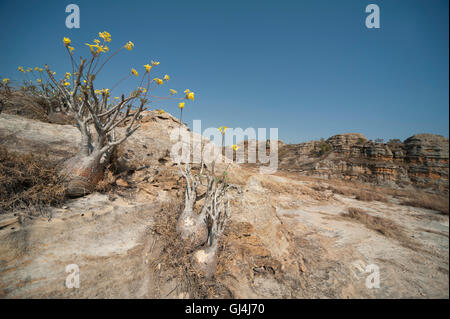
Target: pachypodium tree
<point>98,115</point>
<point>202,230</point>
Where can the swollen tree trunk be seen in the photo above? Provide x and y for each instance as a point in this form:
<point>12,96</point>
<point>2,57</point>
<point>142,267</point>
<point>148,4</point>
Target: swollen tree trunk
<point>191,226</point>
<point>205,259</point>
<point>81,173</point>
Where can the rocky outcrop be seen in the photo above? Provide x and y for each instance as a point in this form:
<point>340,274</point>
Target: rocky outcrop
<point>421,160</point>
<point>286,237</point>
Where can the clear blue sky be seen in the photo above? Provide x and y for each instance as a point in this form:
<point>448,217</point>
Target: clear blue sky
<point>309,67</point>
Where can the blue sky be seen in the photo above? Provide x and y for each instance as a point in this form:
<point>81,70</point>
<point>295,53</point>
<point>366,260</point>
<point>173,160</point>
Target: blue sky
<point>308,67</point>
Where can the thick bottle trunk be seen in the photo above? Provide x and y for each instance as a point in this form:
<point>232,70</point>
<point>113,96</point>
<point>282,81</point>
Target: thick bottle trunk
<point>81,174</point>
<point>205,260</point>
<point>192,228</point>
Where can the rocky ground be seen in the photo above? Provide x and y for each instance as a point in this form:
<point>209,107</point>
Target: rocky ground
<point>290,235</point>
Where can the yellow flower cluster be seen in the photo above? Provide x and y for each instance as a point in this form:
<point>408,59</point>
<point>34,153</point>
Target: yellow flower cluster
<point>5,81</point>
<point>147,67</point>
<point>102,91</point>
<point>222,129</point>
<point>21,69</point>
<point>189,95</point>
<point>66,41</point>
<point>129,45</point>
<point>105,36</point>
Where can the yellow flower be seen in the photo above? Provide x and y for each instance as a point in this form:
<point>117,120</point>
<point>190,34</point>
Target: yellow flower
<point>71,48</point>
<point>181,105</point>
<point>134,72</point>
<point>155,63</point>
<point>235,147</point>
<point>68,75</point>
<point>190,96</point>
<point>66,83</point>
<point>116,97</point>
<point>222,129</point>
<point>5,81</point>
<point>186,91</point>
<point>36,69</point>
<point>173,92</point>
<point>21,69</point>
<point>166,77</point>
<point>53,73</point>
<point>96,41</point>
<point>158,81</point>
<point>147,67</point>
<point>29,69</point>
<point>144,90</point>
<point>161,111</point>
<point>129,45</point>
<point>105,36</point>
<point>84,81</point>
<point>106,91</point>
<point>106,48</point>
<point>66,41</point>
<point>91,46</point>
<point>39,80</point>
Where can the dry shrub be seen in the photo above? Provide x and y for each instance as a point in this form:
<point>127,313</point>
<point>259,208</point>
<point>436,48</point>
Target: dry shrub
<point>106,184</point>
<point>360,194</point>
<point>438,203</point>
<point>30,106</point>
<point>28,180</point>
<point>381,225</point>
<point>370,196</point>
<point>177,258</point>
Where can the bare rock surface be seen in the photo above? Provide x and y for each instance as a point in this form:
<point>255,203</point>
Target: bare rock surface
<point>289,235</point>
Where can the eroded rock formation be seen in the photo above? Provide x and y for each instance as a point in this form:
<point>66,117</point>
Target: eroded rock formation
<point>421,160</point>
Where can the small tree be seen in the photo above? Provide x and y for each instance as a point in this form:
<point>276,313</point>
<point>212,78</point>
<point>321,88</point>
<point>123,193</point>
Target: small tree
<point>94,109</point>
<point>201,231</point>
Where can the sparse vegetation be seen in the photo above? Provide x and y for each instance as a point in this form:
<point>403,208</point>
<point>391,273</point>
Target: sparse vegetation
<point>28,181</point>
<point>428,201</point>
<point>381,225</point>
<point>324,147</point>
<point>176,257</point>
<point>360,194</point>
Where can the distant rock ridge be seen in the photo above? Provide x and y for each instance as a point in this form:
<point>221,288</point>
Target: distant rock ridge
<point>421,160</point>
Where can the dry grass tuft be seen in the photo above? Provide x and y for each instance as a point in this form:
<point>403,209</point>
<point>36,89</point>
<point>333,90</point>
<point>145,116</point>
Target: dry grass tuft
<point>28,180</point>
<point>438,203</point>
<point>381,225</point>
<point>360,194</point>
<point>177,258</point>
<point>28,105</point>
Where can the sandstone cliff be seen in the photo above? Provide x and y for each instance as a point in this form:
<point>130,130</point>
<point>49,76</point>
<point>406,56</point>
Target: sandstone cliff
<point>289,236</point>
<point>420,161</point>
